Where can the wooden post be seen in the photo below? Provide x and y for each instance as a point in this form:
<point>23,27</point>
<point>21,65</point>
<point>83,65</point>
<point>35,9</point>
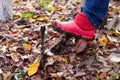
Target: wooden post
<point>5,10</point>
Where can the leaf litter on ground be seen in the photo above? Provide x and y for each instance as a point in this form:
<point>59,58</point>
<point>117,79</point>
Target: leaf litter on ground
<point>21,41</point>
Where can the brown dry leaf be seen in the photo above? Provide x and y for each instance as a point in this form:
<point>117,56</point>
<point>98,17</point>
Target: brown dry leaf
<point>114,57</point>
<point>27,46</point>
<point>70,78</point>
<point>13,48</point>
<point>15,31</point>
<point>16,3</point>
<point>33,68</point>
<point>4,48</point>
<point>78,74</point>
<point>3,59</point>
<point>8,76</point>
<point>102,76</point>
<point>36,77</point>
<point>72,58</point>
<point>18,64</point>
<point>103,40</point>
<point>14,57</point>
<point>50,61</point>
<point>111,45</point>
<point>58,74</point>
<point>48,52</point>
<point>80,46</point>
<point>105,69</point>
<point>60,59</point>
<point>103,60</point>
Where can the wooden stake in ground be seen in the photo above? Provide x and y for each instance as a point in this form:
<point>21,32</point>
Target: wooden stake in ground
<point>41,59</point>
<point>43,55</point>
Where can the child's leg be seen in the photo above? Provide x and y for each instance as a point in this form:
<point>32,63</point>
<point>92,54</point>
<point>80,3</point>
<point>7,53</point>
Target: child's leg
<point>95,10</point>
<point>92,15</point>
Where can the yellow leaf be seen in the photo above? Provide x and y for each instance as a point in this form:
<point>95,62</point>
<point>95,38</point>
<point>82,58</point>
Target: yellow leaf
<point>64,60</point>
<point>16,17</point>
<point>59,7</point>
<point>33,68</point>
<point>117,32</point>
<point>45,19</point>
<point>103,40</point>
<point>62,18</point>
<point>27,46</point>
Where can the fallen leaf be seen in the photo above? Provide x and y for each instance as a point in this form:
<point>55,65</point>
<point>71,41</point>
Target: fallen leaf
<point>50,61</point>
<point>102,76</point>
<point>27,46</point>
<point>58,74</point>
<point>106,69</point>
<point>62,18</point>
<point>103,60</point>
<point>18,64</point>
<point>70,78</point>
<point>4,48</point>
<point>59,58</point>
<point>115,57</point>
<point>45,19</point>
<point>103,40</point>
<point>72,58</point>
<point>113,39</point>
<point>48,52</point>
<point>117,32</point>
<point>115,76</point>
<point>8,76</point>
<point>64,60</point>
<point>58,7</point>
<point>2,62</point>
<point>36,77</point>
<point>50,8</point>
<point>13,48</point>
<point>14,57</point>
<point>111,45</point>
<point>78,74</point>
<point>27,15</point>
<point>80,46</point>
<point>33,68</point>
<point>50,69</point>
<point>1,71</point>
<point>16,17</point>
<point>42,2</point>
